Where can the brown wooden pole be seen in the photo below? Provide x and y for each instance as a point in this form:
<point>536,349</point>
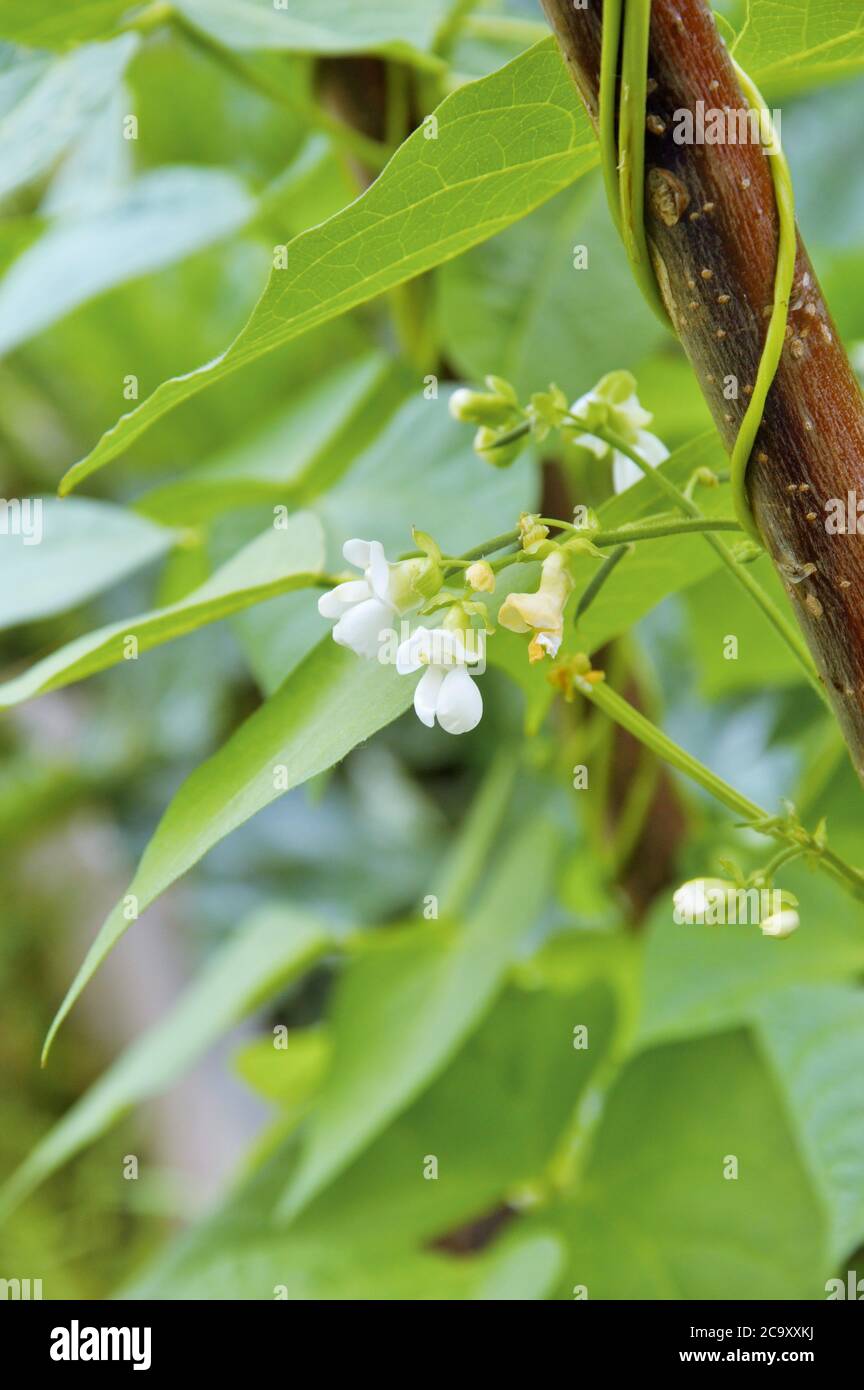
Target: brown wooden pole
<point>711,219</point>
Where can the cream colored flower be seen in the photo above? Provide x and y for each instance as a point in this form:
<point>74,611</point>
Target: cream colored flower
<point>541,612</point>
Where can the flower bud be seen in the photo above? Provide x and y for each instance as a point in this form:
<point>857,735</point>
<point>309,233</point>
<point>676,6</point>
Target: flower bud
<point>532,532</point>
<point>413,580</point>
<point>699,898</point>
<point>481,577</point>
<point>781,924</point>
<point>499,455</point>
<point>481,408</point>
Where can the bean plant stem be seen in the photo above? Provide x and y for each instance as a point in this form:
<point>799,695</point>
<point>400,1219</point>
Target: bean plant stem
<point>788,633</point>
<point>623,713</point>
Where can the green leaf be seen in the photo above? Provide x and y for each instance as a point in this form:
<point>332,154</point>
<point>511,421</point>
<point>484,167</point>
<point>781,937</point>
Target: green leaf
<point>333,701</point>
<point>719,608</point>
<point>657,1219</point>
<point>702,978</point>
<point>517,306</point>
<point>786,48</point>
<point>267,951</point>
<point>493,1119</point>
<point>813,1037</point>
<point>288,1076</point>
<point>48,103</point>
<point>57,554</point>
<point>294,456</point>
<point>277,561</point>
<point>45,24</point>
<point>436,984</point>
<point>504,145</point>
<point>153,223</point>
<point>398,28</point>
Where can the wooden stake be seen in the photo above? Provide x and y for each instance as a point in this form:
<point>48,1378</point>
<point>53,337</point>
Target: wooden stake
<point>712,227</point>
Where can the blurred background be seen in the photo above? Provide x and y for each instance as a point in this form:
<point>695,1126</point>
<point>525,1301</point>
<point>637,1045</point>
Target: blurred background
<point>128,260</point>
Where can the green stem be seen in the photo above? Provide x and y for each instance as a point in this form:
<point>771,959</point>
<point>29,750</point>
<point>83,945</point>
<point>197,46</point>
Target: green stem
<point>698,525</point>
<point>607,568</point>
<point>623,713</point>
<point>790,636</point>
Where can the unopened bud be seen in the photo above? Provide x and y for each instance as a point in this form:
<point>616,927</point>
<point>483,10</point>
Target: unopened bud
<point>481,577</point>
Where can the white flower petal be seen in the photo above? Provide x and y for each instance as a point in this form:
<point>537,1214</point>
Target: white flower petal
<point>361,627</point>
<point>378,571</point>
<point>460,704</point>
<point>427,693</point>
<point>358,552</point>
<point>596,446</point>
<point>413,652</point>
<point>624,472</point>
<point>652,449</point>
<point>550,642</point>
<point>337,601</point>
<point>630,415</point>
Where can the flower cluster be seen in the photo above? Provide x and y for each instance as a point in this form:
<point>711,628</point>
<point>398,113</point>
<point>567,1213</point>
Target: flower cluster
<point>450,654</point>
<point>719,901</point>
<point>606,421</point>
<point>448,643</point>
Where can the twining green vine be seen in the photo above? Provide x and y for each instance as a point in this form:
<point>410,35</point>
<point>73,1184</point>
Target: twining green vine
<point>622,152</point>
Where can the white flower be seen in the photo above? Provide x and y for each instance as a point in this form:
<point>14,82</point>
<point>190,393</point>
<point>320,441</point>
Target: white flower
<point>698,897</point>
<point>613,401</point>
<point>781,923</point>
<point>364,608</point>
<point>445,691</point>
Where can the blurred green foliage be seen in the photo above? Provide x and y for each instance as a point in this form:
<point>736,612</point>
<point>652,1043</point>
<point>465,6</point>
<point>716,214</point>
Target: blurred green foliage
<point>435,1127</point>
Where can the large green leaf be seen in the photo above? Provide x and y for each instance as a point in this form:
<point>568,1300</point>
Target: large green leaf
<point>333,701</point>
<point>518,307</point>
<point>279,560</point>
<point>493,1119</point>
<point>400,28</point>
<point>46,104</point>
<point>789,47</point>
<point>45,24</point>
<point>294,456</point>
<point>82,548</point>
<point>264,953</point>
<point>163,216</point>
<point>504,145</point>
<point>814,1039</point>
<point>413,998</point>
<point>655,1217</point>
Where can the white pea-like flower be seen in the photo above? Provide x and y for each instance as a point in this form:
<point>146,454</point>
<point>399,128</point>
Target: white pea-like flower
<point>781,923</point>
<point>446,691</point>
<point>614,402</point>
<point>364,608</point>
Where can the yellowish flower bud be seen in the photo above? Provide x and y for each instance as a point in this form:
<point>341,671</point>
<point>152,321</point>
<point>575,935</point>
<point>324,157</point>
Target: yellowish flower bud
<point>481,577</point>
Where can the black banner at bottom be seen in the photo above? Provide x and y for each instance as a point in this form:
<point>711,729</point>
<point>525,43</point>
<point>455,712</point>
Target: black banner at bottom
<point>82,1339</point>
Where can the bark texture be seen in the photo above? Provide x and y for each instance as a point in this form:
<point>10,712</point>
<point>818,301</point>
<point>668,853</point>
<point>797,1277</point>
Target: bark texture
<point>711,221</point>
